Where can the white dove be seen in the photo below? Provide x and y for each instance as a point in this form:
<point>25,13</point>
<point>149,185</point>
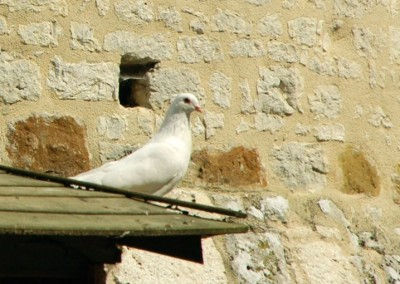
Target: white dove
<point>161,163</point>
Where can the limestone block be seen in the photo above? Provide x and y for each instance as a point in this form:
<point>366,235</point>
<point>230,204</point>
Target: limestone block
<point>267,122</point>
<point>326,101</point>
<point>258,2</point>
<point>270,26</point>
<point>258,258</point>
<point>394,44</point>
<point>212,122</point>
<point>237,167</point>
<point>370,240</point>
<point>355,9</point>
<point>48,143</point>
<point>282,52</point>
<point>221,88</point>
<point>198,127</point>
<point>300,165</point>
<point>84,81</point>
<point>3,26</point>
<point>146,120</point>
<point>82,37</point>
<point>59,7</point>
<point>200,23</point>
<point>19,80</point>
<point>330,209</point>
<point>154,47</point>
<point>365,42</point>
<point>43,34</point>
<point>134,11</point>
<point>301,129</point>
<point>111,126</point>
<point>247,104</point>
<point>165,83</point>
<point>103,6</point>
<point>171,18</point>
<point>303,30</point>
<point>380,119</point>
<point>229,21</point>
<point>113,151</point>
<point>194,49</point>
<point>242,127</point>
<point>246,48</point>
<point>275,208</point>
<point>332,132</point>
<point>321,64</point>
<point>391,266</point>
<point>348,68</point>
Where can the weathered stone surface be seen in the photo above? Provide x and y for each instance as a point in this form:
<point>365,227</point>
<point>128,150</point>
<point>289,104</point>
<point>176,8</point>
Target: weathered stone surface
<point>380,119</point>
<point>332,132</point>
<point>236,167</point>
<point>301,165</point>
<point>19,79</point>
<point>221,89</point>
<point>84,81</point>
<point>82,37</point>
<point>247,105</point>
<point>112,151</point>
<point>247,48</point>
<point>146,120</point>
<point>348,68</point>
<point>228,21</point>
<point>326,101</point>
<point>325,262</point>
<point>43,34</point>
<point>171,18</point>
<point>198,127</point>
<point>267,122</point>
<point>200,23</point>
<point>359,175</point>
<point>303,30</point>
<point>321,64</point>
<point>365,42</point>
<point>330,209</point>
<point>391,266</point>
<point>3,26</point>
<point>301,129</point>
<point>282,52</point>
<point>194,49</point>
<point>59,7</point>
<point>258,258</point>
<point>279,89</point>
<point>270,26</point>
<point>111,126</point>
<point>258,2</point>
<point>142,266</point>
<point>55,144</point>
<point>275,208</point>
<point>394,41</point>
<point>165,83</point>
<point>369,240</point>
<point>377,76</point>
<point>212,122</point>
<point>242,127</point>
<point>103,6</point>
<point>352,9</point>
<point>328,232</point>
<point>153,47</point>
<point>134,11</point>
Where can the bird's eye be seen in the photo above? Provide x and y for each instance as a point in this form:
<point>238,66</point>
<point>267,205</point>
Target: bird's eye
<point>187,101</point>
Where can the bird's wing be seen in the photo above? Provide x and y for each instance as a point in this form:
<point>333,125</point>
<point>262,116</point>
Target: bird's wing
<point>146,170</point>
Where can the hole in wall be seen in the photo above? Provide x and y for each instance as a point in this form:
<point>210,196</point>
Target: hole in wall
<point>133,82</point>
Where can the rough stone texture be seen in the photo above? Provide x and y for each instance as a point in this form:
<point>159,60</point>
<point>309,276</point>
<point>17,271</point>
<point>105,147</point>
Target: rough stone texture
<point>198,49</point>
<point>301,129</point>
<point>82,37</point>
<point>391,265</point>
<point>19,79</point>
<point>359,174</point>
<point>59,7</point>
<point>165,83</point>
<point>198,127</point>
<point>243,126</point>
<point>394,39</point>
<point>348,68</point>
<point>380,119</point>
<point>112,151</point>
<point>212,122</point>
<point>221,89</point>
<point>301,165</point>
<point>352,9</point>
<point>326,101</point>
<point>247,105</point>
<point>84,81</point>
<point>103,6</point>
<point>136,12</point>
<point>200,23</point>
<point>258,2</point>
<point>267,122</point>
<point>236,167</point>
<point>228,21</point>
<point>3,26</point>
<point>55,144</point>
<point>282,52</point>
<point>275,208</point>
<point>139,266</point>
<point>171,18</point>
<point>111,126</point>
<point>303,30</point>
<point>258,258</point>
<point>332,132</point>
<point>321,64</point>
<point>270,26</point>
<point>145,120</point>
<point>153,47</point>
<point>330,209</point>
<point>43,34</point>
<point>365,42</point>
<point>279,90</point>
<point>246,48</point>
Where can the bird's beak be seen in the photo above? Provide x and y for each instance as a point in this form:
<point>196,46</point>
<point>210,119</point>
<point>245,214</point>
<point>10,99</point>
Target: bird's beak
<point>198,108</point>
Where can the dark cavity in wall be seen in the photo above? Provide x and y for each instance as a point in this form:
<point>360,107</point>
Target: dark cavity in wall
<point>133,81</point>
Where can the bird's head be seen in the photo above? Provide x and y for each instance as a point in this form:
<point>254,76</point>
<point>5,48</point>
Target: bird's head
<point>186,102</point>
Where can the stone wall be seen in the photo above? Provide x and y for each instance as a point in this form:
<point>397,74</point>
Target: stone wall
<point>300,128</point>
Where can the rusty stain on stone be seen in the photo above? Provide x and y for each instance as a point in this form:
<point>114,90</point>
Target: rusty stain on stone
<point>359,175</point>
<point>48,144</point>
<point>237,167</point>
